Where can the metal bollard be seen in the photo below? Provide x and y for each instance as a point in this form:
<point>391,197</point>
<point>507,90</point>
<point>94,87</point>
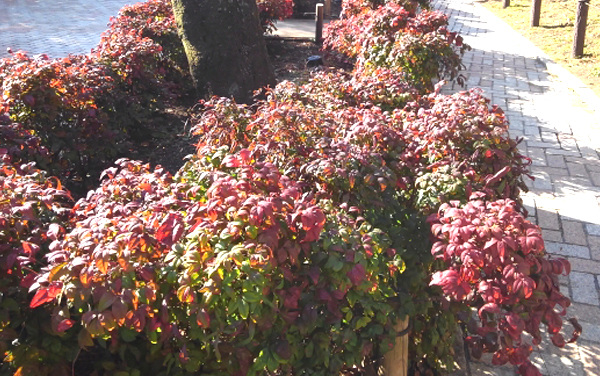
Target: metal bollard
<point>580,25</point>
<point>319,21</point>
<point>536,7</point>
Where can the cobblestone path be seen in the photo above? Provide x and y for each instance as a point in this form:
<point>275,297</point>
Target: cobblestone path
<point>559,120</point>
<point>54,27</point>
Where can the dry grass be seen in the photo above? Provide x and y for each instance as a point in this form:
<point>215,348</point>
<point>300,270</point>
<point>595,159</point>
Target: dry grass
<point>555,33</point>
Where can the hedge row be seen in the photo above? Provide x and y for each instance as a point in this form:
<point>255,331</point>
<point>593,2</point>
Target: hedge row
<point>303,229</point>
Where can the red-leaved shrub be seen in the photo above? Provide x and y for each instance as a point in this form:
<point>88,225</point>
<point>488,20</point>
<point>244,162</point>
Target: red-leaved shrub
<point>496,262</point>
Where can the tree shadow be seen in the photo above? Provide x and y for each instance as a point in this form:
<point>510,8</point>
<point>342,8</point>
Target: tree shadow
<point>559,26</point>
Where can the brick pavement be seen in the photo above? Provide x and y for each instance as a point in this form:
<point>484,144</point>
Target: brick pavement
<point>55,27</point>
<point>555,115</point>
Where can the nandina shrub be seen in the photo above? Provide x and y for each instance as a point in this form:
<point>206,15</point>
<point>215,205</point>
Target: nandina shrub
<point>34,211</point>
<point>256,275</point>
<point>496,262</point>
<point>384,88</point>
<point>142,46</point>
<point>20,146</point>
<point>352,154</point>
<point>64,102</point>
<point>457,145</point>
<point>353,7</point>
<point>272,10</point>
<point>390,36</point>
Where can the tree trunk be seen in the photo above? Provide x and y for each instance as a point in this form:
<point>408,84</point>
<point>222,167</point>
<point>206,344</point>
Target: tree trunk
<point>225,47</point>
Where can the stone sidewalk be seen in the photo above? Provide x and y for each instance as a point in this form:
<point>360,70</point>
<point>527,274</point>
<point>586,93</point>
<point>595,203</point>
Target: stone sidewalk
<point>55,27</point>
<point>555,115</point>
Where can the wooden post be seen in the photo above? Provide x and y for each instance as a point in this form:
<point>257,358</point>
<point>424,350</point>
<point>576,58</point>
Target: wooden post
<point>536,8</point>
<point>319,28</point>
<point>395,362</point>
<point>327,9</point>
<point>506,4</point>
<point>580,25</point>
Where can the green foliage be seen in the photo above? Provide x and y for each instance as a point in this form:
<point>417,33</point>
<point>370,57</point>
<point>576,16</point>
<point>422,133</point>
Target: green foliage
<point>394,37</point>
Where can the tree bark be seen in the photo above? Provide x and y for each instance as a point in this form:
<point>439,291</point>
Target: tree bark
<point>225,47</point>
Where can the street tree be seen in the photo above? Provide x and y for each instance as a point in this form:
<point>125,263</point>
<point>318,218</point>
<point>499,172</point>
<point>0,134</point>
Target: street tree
<point>225,46</point>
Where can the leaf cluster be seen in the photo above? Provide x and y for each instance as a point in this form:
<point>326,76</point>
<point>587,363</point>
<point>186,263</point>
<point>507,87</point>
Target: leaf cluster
<point>496,263</point>
<point>394,36</point>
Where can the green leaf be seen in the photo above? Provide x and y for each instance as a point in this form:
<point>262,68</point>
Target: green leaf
<point>362,322</point>
<point>244,308</point>
<point>252,297</point>
<point>107,299</point>
<point>309,349</point>
<point>128,335</point>
<point>84,338</point>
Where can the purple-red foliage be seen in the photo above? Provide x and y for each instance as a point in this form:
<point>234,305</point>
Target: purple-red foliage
<point>496,262</point>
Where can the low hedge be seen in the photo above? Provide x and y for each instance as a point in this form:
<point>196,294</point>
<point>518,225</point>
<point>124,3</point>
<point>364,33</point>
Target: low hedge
<point>303,229</point>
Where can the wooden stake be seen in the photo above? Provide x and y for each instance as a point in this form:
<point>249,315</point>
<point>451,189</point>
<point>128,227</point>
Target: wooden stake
<point>319,28</point>
<point>536,8</point>
<point>395,362</point>
<point>580,26</point>
<point>506,4</point>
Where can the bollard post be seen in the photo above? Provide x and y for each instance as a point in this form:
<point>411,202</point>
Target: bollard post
<point>319,21</point>
<point>580,26</point>
<point>395,362</point>
<point>327,9</point>
<point>506,4</point>
<point>536,8</point>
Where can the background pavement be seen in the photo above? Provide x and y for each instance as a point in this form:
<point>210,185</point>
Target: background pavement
<point>54,27</point>
<point>558,118</point>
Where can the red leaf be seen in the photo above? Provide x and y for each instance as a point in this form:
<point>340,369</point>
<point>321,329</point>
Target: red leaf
<point>65,325</point>
<point>164,234</point>
<point>45,295</point>
<point>30,249</point>
<point>528,369</point>
<point>203,318</point>
<point>357,274</point>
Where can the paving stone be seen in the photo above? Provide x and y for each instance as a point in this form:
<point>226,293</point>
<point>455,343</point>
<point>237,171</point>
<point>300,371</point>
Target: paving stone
<point>593,229</point>
<point>588,354</point>
<point>583,289</point>
<point>585,265</point>
<point>537,155</point>
<point>556,364</point>
<point>584,312</point>
<point>595,178</point>
<point>548,220</point>
<point>554,172</point>
<point>590,332</point>
<point>576,169</point>
<point>544,108</point>
<point>594,244</point>
<point>551,235</point>
<point>556,161</point>
<point>568,250</point>
<point>573,233</point>
<point>542,180</point>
